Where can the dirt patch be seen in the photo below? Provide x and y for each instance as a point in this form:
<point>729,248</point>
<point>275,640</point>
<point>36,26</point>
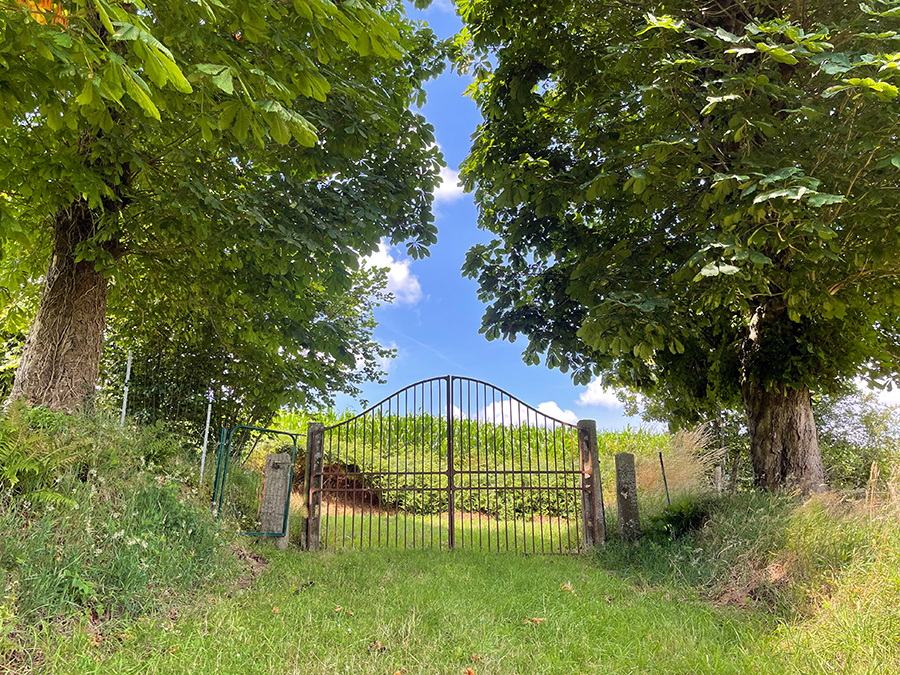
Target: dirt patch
<point>253,565</point>
<point>756,586</point>
<point>337,506</point>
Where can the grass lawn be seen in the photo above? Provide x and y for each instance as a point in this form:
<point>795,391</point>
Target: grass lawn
<point>384,611</point>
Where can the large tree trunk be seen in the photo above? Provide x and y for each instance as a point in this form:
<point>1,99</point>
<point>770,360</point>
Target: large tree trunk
<point>61,357</point>
<point>784,447</point>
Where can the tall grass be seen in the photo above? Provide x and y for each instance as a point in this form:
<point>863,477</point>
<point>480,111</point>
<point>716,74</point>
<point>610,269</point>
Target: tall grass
<point>126,536</point>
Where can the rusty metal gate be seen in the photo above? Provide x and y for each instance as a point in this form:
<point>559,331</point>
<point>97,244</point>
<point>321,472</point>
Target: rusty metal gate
<point>453,462</point>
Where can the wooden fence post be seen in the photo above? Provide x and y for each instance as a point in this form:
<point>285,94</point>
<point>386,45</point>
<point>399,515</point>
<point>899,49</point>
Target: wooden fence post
<point>593,517</point>
<point>315,437</point>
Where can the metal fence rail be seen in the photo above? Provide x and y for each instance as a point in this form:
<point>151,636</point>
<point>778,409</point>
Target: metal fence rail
<point>451,462</point>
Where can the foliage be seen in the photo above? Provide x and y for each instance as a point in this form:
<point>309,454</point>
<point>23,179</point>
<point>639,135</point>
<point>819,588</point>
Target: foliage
<point>126,538</point>
<point>233,160</point>
<point>10,350</point>
<point>181,365</point>
<point>688,200</point>
<point>32,457</point>
<point>856,431</point>
<point>678,519</point>
<point>117,548</point>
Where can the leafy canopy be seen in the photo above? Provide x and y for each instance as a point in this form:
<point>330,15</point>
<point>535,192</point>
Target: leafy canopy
<point>237,158</point>
<point>658,177</point>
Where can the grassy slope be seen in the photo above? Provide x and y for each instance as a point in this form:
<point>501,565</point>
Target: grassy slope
<point>135,543</point>
<point>431,611</point>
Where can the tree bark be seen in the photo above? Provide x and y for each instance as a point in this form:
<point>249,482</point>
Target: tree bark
<point>784,447</point>
<point>61,357</point>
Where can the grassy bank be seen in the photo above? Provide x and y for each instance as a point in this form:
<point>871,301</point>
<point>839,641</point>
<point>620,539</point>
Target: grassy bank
<point>111,563</point>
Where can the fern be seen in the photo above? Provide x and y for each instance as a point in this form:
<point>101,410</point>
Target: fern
<point>30,458</point>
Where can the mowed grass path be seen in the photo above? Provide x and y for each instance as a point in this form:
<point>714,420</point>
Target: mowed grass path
<point>372,612</point>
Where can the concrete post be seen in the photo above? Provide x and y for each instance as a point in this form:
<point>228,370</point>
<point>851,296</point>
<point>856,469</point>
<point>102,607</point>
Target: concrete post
<point>626,498</point>
<point>274,513</point>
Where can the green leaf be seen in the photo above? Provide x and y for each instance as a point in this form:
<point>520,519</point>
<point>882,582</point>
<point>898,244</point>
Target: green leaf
<point>86,96</point>
<point>779,54</point>
<point>139,92</point>
<point>228,113</point>
<point>220,75</point>
<point>723,34</point>
<point>241,124</point>
<point>781,174</point>
<point>665,22</point>
<point>884,90</point>
<point>303,9</point>
<point>822,199</point>
<point>713,101</point>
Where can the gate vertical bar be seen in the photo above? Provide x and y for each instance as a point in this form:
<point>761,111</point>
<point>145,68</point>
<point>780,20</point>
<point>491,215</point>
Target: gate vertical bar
<point>315,438</point>
<point>451,501</point>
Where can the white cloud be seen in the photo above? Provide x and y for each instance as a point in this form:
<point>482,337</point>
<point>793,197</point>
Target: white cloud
<point>891,397</point>
<point>597,394</point>
<point>401,282</point>
<point>449,189</point>
<point>512,413</point>
<point>387,363</point>
<point>552,409</point>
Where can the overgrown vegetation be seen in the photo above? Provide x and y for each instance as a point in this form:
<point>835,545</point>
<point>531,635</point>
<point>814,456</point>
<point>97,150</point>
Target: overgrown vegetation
<point>99,525</point>
<point>110,558</point>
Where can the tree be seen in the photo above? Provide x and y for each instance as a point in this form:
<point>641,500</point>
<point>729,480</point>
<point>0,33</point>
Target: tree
<point>231,160</point>
<point>702,203</point>
<point>857,431</point>
<point>180,364</point>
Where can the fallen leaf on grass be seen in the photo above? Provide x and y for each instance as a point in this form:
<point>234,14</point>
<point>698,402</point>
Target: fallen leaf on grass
<point>534,620</point>
<point>96,640</point>
<point>275,610</point>
<point>469,671</point>
<point>377,646</point>
<point>402,671</point>
<point>475,658</point>
<point>567,587</point>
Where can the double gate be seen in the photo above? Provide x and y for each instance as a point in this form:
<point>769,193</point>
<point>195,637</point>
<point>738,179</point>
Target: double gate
<point>453,462</point>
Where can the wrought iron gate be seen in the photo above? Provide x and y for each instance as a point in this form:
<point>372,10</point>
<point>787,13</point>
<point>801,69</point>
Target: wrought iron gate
<point>454,462</point>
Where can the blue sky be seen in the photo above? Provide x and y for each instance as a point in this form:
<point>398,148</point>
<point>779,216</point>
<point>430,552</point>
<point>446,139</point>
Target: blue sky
<point>435,318</point>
